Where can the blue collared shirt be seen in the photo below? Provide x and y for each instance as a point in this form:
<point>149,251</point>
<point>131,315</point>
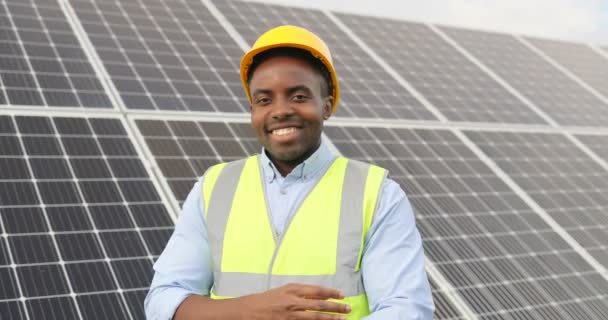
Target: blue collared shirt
<point>392,265</point>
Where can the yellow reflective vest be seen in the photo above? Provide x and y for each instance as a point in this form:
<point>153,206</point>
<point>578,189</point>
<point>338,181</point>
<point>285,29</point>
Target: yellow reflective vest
<point>322,244</point>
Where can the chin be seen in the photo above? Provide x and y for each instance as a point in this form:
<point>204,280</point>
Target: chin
<point>286,155</point>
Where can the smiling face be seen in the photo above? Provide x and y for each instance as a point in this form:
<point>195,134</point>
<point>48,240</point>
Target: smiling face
<point>288,107</point>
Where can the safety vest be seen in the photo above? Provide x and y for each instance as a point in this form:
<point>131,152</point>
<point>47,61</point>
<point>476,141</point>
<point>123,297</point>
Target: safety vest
<point>322,244</point>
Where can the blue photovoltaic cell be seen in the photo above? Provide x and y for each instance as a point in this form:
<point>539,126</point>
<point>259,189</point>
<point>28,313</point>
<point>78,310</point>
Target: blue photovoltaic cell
<point>165,55</point>
<point>564,181</point>
<point>41,61</point>
<point>446,78</point>
<point>78,214</point>
<point>183,150</point>
<point>560,97</point>
<point>502,258</point>
<point>579,59</point>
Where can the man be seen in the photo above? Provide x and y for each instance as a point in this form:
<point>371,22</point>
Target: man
<point>295,232</point>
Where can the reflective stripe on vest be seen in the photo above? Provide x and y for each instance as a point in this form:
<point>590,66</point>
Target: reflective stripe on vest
<point>322,244</point>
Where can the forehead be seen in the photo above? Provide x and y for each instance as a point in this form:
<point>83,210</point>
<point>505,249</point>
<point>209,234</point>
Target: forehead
<point>284,67</point>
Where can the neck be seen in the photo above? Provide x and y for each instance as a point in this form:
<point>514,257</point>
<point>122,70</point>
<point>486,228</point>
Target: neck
<point>286,166</point>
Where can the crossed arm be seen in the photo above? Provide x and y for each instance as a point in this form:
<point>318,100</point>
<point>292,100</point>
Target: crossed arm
<point>293,301</point>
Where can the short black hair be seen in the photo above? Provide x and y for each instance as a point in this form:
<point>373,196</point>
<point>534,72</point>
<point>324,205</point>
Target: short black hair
<point>296,53</point>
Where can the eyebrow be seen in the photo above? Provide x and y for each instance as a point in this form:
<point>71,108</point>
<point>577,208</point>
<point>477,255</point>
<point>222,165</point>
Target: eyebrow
<point>289,90</point>
<point>261,91</point>
<point>298,88</point>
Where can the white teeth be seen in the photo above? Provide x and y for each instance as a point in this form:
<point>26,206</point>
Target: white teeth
<point>283,131</point>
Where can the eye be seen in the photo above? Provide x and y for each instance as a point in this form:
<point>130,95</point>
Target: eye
<point>262,101</point>
<point>299,97</point>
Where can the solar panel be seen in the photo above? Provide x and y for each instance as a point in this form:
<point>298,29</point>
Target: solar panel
<point>366,90</point>
<point>580,59</point>
<point>548,88</point>
<point>183,150</point>
<point>165,55</point>
<point>80,219</point>
<point>566,183</point>
<point>453,84</point>
<point>41,61</point>
<point>501,257</point>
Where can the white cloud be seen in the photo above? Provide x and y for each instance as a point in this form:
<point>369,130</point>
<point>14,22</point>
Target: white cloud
<point>561,19</point>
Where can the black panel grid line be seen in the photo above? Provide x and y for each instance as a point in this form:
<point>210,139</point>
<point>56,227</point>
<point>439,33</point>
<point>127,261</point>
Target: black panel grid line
<point>497,253</point>
<point>165,55</point>
<point>367,91</point>
<point>558,96</point>
<point>76,204</point>
<point>183,150</point>
<point>580,59</point>
<point>447,79</point>
<point>445,309</point>
<point>570,186</point>
<point>41,60</point>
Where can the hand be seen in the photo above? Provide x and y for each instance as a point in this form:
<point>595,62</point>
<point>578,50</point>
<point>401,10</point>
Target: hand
<point>295,301</point>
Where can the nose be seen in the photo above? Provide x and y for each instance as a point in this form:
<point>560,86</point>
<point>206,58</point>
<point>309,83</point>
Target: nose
<point>282,109</point>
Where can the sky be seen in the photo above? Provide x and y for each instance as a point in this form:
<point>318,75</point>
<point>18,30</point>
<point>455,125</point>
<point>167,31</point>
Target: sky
<point>574,20</point>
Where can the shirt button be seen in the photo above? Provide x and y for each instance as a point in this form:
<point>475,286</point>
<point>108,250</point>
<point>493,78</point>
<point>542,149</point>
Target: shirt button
<point>283,191</point>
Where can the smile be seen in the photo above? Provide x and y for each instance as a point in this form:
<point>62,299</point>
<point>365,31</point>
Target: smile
<point>284,131</point>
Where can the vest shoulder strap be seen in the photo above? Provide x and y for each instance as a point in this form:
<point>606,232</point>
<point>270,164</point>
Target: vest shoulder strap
<point>219,172</point>
<point>367,180</point>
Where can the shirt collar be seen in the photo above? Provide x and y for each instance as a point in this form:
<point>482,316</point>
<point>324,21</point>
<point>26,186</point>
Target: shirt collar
<point>305,170</point>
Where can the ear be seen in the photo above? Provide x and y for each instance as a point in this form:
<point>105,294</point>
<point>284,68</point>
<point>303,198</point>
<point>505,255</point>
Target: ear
<point>327,107</point>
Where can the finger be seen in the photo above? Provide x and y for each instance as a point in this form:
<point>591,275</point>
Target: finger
<point>319,293</point>
<point>311,315</point>
<point>324,306</point>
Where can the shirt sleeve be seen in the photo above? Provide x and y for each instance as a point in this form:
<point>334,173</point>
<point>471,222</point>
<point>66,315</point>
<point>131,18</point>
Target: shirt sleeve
<point>184,267</point>
<point>392,265</point>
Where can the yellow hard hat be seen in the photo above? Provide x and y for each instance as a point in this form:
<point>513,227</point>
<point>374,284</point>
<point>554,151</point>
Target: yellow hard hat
<point>294,37</point>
